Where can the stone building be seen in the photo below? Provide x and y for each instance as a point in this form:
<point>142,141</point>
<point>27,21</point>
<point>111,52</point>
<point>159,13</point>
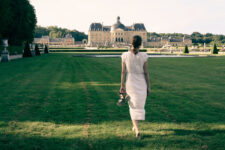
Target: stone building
<point>173,41</point>
<point>117,35</point>
<point>67,40</point>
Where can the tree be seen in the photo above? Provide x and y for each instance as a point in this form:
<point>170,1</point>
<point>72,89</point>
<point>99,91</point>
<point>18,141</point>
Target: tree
<point>154,34</point>
<point>214,49</point>
<point>197,37</point>
<point>207,40</point>
<point>208,35</point>
<point>27,52</point>
<point>6,18</point>
<point>78,36</point>
<point>37,51</point>
<point>46,49</point>
<point>186,49</point>
<point>56,34</point>
<point>41,31</point>
<point>18,21</point>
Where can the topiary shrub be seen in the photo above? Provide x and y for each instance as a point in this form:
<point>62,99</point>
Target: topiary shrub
<point>186,49</point>
<point>46,49</point>
<point>27,52</point>
<point>214,49</point>
<point>37,51</point>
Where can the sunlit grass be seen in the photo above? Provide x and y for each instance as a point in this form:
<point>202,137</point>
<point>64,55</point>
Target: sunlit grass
<point>119,128</point>
<point>66,85</point>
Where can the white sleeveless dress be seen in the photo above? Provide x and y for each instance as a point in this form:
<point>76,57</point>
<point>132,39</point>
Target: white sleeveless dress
<point>136,86</point>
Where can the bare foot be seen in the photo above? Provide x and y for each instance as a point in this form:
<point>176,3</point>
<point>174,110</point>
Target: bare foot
<point>138,136</point>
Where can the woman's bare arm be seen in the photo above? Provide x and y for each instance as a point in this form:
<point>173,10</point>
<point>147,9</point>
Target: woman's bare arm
<point>147,77</point>
<point>123,74</point>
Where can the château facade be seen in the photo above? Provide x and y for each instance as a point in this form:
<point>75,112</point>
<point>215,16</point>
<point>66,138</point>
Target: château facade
<point>115,35</point>
<point>119,35</point>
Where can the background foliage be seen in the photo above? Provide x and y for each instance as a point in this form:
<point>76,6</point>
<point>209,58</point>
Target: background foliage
<point>57,32</point>
<point>197,38</point>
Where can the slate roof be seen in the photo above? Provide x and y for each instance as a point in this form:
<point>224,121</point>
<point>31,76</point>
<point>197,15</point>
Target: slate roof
<point>170,39</point>
<point>56,40</point>
<point>139,26</point>
<point>154,39</point>
<point>106,28</point>
<point>117,25</point>
<point>176,40</point>
<point>96,27</point>
<point>99,27</point>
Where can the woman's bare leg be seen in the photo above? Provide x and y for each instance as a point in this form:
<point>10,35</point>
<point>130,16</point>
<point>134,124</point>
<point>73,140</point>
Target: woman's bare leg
<point>135,124</point>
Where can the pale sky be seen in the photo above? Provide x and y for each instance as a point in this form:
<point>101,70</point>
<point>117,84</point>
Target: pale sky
<point>162,16</point>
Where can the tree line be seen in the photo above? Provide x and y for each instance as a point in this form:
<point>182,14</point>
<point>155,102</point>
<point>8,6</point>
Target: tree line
<point>57,32</point>
<point>17,21</point>
<point>196,37</point>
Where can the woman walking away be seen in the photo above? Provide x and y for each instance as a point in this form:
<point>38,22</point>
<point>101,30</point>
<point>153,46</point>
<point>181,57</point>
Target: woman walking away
<point>135,64</point>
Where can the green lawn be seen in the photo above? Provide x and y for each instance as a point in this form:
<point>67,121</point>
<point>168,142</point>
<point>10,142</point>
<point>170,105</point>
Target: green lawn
<point>57,101</point>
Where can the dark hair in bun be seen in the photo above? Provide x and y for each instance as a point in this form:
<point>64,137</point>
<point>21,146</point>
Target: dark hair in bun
<point>136,41</point>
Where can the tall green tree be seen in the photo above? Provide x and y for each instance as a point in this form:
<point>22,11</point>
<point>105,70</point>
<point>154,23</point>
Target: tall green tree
<point>18,21</point>
<point>6,18</point>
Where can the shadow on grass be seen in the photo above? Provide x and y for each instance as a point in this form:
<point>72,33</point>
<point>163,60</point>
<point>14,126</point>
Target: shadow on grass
<point>196,132</point>
<point>181,139</point>
<point>36,142</point>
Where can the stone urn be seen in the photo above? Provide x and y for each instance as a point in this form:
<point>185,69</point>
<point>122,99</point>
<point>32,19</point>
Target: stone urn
<point>32,48</point>
<point>5,53</point>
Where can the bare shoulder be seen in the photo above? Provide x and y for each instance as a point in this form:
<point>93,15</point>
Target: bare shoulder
<point>143,54</point>
<point>124,53</point>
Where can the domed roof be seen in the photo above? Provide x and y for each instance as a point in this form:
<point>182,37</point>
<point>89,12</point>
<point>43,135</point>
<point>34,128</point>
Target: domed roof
<point>118,25</point>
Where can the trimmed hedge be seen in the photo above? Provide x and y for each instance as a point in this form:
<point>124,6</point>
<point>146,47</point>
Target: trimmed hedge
<point>37,51</point>
<point>214,50</point>
<point>95,50</point>
<point>27,51</point>
<point>46,50</point>
<point>66,48</point>
<point>13,50</point>
<point>186,49</point>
